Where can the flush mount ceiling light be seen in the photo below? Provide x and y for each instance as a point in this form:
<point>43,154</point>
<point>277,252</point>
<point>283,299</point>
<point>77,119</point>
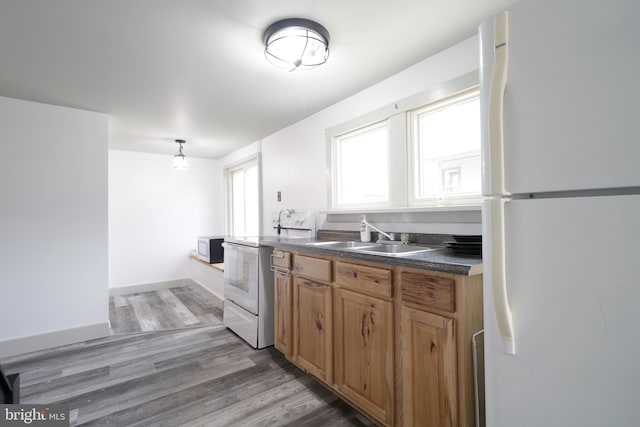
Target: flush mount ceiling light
<point>296,44</point>
<point>179,160</point>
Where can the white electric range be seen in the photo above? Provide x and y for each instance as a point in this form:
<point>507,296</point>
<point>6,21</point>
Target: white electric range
<point>248,281</point>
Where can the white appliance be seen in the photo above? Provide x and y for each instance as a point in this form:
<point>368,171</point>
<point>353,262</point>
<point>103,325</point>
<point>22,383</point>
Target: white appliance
<point>248,280</point>
<point>560,95</point>
<point>248,290</point>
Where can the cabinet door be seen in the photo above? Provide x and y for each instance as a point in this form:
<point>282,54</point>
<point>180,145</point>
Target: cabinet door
<point>283,313</point>
<point>364,352</point>
<point>313,328</point>
<point>429,369</point>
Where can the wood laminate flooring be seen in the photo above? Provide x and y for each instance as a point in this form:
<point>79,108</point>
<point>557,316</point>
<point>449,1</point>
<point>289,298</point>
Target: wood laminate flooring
<point>174,308</point>
<point>198,376</point>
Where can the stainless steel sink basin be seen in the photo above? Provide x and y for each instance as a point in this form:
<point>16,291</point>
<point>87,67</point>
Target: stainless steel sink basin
<point>373,248</point>
<point>394,250</point>
<point>342,245</point>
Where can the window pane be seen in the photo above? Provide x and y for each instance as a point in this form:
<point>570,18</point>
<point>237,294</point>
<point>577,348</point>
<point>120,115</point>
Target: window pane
<point>237,205</point>
<point>252,217</point>
<point>447,150</point>
<point>362,166</point>
<point>244,212</point>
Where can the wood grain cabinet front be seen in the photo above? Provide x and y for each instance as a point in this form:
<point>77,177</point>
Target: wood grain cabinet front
<point>283,313</point>
<point>313,328</point>
<point>313,268</point>
<point>281,261</point>
<point>429,374</point>
<point>364,352</point>
<point>395,342</point>
<point>362,278</point>
<point>438,315</point>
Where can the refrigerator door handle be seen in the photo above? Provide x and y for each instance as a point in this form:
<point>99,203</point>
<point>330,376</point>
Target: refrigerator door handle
<point>495,210</point>
<point>494,172</point>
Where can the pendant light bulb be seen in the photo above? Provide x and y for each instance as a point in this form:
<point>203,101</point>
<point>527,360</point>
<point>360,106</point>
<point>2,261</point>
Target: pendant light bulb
<point>179,160</point>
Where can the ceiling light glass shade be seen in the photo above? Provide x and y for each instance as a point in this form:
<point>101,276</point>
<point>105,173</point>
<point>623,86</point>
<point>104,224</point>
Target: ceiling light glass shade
<point>179,160</point>
<point>296,44</point>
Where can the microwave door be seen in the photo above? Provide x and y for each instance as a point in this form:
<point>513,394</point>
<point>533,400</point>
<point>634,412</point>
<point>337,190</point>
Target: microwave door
<point>203,250</point>
<point>241,276</point>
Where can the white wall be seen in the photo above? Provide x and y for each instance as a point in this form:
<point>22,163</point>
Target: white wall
<point>156,214</point>
<point>295,158</point>
<point>53,221</point>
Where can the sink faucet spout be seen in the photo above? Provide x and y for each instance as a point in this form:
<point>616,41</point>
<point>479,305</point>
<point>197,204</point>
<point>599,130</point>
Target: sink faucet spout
<point>389,236</point>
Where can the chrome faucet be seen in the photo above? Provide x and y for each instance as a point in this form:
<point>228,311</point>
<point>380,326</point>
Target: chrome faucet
<point>288,212</point>
<point>389,236</point>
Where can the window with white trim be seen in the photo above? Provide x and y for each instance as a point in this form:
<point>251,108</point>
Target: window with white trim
<point>421,151</point>
<point>243,199</point>
<point>361,167</point>
<point>445,151</point>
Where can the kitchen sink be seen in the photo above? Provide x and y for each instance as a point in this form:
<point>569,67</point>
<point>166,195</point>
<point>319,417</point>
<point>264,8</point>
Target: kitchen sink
<point>394,250</point>
<point>343,245</point>
<point>373,248</point>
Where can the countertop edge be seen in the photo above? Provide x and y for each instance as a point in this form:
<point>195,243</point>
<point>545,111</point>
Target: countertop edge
<point>432,260</point>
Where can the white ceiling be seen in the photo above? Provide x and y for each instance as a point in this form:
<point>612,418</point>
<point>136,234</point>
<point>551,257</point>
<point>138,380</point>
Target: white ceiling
<point>195,69</point>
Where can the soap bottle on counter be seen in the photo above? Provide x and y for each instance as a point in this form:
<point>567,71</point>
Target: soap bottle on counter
<point>365,233</point>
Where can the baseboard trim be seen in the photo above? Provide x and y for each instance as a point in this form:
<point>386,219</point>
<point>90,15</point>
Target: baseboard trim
<point>146,287</point>
<point>53,339</point>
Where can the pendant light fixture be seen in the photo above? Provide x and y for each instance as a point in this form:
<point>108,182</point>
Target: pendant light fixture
<point>179,160</point>
<point>296,44</point>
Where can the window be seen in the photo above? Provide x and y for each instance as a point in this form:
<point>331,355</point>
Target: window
<point>421,151</point>
<point>445,142</point>
<point>244,199</point>
<point>361,167</point>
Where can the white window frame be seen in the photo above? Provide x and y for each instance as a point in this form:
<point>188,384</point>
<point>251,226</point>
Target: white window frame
<point>336,167</point>
<point>228,171</point>
<point>400,169</point>
<point>442,199</point>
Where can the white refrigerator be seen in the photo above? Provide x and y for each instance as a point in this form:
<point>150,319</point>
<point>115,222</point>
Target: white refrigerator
<point>560,96</point>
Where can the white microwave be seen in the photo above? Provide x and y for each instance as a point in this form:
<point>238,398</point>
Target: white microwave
<point>210,249</point>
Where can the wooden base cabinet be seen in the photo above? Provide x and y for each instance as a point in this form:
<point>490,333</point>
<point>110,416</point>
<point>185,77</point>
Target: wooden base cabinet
<point>428,369</point>
<point>394,342</point>
<point>283,313</point>
<point>439,313</point>
<point>364,352</point>
<point>313,328</point>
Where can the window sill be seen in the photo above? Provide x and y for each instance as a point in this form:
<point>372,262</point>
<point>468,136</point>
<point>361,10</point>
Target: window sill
<point>421,209</point>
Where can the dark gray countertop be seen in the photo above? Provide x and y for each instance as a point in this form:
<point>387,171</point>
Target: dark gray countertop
<point>438,260</point>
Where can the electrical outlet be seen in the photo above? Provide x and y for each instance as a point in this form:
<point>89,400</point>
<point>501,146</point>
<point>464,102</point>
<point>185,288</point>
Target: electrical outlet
<point>279,196</point>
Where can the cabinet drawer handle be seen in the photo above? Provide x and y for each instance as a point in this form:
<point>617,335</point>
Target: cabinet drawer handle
<point>281,271</point>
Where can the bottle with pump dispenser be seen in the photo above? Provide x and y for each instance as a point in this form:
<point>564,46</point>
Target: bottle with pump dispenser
<point>365,233</point>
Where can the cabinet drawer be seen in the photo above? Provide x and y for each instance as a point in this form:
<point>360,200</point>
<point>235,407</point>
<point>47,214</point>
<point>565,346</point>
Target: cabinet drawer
<point>281,260</point>
<point>313,268</point>
<point>368,279</point>
<point>428,291</point>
